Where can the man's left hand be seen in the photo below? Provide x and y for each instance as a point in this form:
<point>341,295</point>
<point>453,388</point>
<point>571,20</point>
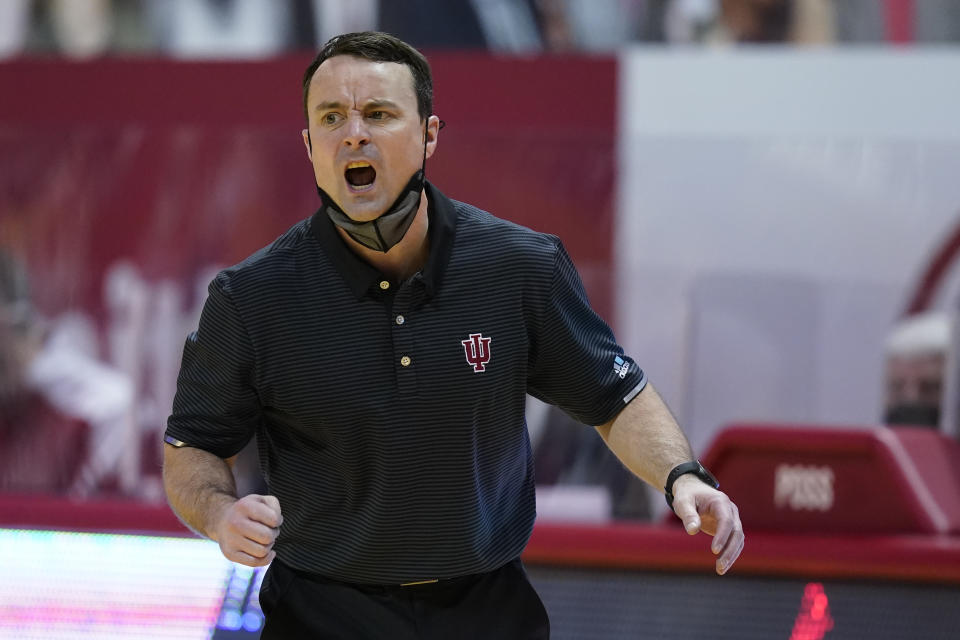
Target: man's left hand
<point>703,508</point>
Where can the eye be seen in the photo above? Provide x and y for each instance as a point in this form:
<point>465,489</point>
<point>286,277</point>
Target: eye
<point>330,118</point>
<point>378,115</point>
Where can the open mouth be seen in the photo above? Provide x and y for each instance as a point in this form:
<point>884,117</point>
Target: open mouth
<point>360,176</point>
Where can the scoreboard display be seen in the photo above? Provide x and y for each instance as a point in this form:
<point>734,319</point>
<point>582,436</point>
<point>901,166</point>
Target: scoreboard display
<point>587,603</point>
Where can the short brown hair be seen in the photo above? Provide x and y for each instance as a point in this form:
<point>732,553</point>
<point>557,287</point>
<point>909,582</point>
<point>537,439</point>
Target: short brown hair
<point>377,47</point>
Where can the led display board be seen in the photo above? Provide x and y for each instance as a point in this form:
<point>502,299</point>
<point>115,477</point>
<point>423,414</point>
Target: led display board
<point>58,584</point>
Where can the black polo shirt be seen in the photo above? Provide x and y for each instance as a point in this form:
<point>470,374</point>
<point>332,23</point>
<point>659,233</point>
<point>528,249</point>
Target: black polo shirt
<point>390,415</point>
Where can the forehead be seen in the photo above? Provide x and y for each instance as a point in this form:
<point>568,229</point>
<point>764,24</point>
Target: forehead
<point>347,78</point>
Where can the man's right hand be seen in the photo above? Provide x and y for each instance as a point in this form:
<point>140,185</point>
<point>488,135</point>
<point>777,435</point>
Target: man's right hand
<point>247,528</point>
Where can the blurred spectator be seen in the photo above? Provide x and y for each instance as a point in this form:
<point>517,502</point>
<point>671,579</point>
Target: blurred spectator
<point>333,17</point>
<point>259,28</point>
<point>40,449</point>
<point>73,28</point>
<point>222,28</point>
<point>861,21</point>
<point>554,19</point>
<point>505,26</point>
<point>596,26</point>
<point>63,414</point>
<point>416,22</point>
<point>83,28</point>
<point>14,26</point>
<point>509,26</point>
<point>936,21</point>
<point>916,358</point>
<point>926,21</point>
<point>750,21</point>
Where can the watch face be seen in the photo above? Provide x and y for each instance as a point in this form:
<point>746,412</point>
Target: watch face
<point>707,477</point>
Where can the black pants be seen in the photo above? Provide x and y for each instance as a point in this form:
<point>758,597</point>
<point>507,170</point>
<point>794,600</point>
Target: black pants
<point>501,604</point>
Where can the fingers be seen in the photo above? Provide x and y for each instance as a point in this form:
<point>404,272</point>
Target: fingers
<point>249,529</point>
<point>251,561</point>
<point>730,555</point>
<point>247,537</point>
<point>721,510</point>
<point>247,552</point>
<point>256,533</point>
<point>251,547</point>
<point>271,503</point>
<point>686,510</point>
<point>728,540</point>
<point>265,509</point>
<point>702,508</point>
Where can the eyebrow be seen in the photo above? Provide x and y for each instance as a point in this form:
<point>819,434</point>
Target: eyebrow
<point>382,102</point>
<point>376,103</point>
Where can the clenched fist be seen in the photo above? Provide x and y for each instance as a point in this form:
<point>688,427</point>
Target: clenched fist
<point>247,528</point>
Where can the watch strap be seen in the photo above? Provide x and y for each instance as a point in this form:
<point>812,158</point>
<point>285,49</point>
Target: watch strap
<point>693,467</point>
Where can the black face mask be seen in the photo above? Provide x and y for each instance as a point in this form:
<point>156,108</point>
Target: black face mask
<point>383,232</point>
<point>922,415</point>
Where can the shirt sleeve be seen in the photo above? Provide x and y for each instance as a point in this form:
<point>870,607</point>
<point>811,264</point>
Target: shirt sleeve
<point>575,361</point>
<point>216,407</point>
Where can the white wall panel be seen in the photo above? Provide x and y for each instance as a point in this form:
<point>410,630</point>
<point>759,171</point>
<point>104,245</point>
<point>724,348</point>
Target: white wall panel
<point>758,183</point>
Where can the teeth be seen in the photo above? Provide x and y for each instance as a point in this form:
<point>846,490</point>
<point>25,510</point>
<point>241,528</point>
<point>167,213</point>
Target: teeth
<point>358,165</point>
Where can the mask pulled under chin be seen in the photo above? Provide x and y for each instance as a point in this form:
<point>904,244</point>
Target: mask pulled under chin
<point>383,232</point>
<point>915,414</point>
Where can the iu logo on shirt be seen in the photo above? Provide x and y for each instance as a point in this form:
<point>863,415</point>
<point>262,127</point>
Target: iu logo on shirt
<point>477,349</point>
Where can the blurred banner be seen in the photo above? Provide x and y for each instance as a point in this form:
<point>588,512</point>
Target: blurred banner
<point>125,186</point>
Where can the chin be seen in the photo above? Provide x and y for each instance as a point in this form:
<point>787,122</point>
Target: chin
<point>365,212</point>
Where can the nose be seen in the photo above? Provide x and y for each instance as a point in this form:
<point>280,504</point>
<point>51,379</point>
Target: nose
<point>356,134</point>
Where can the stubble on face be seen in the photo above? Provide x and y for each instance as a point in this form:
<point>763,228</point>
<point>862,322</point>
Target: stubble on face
<point>366,137</point>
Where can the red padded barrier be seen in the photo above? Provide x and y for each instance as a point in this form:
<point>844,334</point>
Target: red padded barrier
<point>669,548</point>
<point>621,546</point>
<point>870,480</point>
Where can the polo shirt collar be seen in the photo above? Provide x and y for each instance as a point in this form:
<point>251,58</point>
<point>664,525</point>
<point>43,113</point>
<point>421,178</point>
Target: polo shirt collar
<point>361,276</point>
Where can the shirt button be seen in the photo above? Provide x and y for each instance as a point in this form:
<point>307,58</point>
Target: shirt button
<point>401,320</point>
<point>384,285</point>
<point>405,361</point>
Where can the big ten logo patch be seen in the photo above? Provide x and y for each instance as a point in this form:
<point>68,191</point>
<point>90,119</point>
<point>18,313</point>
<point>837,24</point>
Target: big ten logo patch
<point>803,487</point>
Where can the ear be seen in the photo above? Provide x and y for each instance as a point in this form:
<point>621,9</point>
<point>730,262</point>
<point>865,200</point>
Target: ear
<point>433,132</point>
<point>306,143</point>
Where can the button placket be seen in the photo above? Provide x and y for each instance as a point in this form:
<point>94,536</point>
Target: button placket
<point>403,346</point>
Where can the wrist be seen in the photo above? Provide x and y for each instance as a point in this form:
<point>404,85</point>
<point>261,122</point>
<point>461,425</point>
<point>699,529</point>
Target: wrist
<point>684,473</point>
<point>685,479</point>
<point>217,505</point>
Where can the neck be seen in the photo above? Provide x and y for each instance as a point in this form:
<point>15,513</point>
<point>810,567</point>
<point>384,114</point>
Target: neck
<point>407,256</point>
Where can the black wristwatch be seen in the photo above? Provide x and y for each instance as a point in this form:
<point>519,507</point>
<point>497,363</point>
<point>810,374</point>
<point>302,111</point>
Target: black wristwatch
<point>693,467</point>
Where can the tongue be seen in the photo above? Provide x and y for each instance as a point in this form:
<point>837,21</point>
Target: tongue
<point>361,177</point>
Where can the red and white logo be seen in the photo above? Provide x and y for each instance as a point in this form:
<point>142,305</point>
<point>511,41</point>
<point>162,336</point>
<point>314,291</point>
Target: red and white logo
<point>477,349</point>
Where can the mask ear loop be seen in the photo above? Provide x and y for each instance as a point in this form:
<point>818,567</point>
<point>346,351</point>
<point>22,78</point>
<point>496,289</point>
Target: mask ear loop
<point>423,165</point>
